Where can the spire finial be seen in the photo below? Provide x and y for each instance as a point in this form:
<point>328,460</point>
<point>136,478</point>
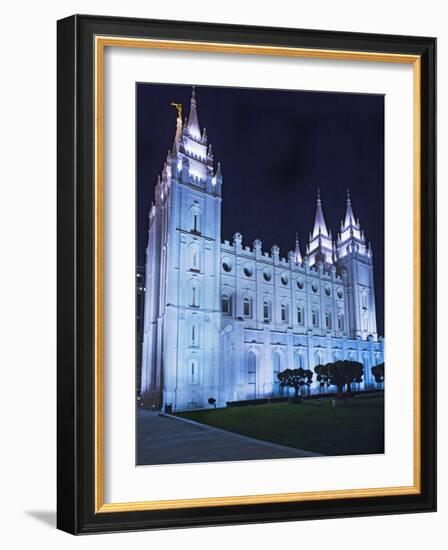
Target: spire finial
<point>348,195</point>
<point>318,196</point>
<point>193,122</point>
<point>297,254</point>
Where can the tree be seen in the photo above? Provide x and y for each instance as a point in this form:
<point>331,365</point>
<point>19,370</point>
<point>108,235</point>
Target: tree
<point>378,373</point>
<point>295,378</point>
<point>212,401</point>
<point>339,374</point>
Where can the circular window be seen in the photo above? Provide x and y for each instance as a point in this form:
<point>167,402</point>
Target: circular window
<point>247,271</point>
<point>328,290</point>
<point>300,283</point>
<point>267,275</point>
<point>340,294</point>
<point>284,278</point>
<point>227,265</point>
<point>314,286</point>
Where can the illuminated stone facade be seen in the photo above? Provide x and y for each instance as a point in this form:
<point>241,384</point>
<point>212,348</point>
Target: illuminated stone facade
<point>222,319</point>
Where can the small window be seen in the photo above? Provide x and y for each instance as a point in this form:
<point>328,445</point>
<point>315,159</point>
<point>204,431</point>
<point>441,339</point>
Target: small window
<point>328,290</point>
<point>266,311</point>
<point>225,304</point>
<point>340,293</point>
<point>196,222</point>
<point>364,300</point>
<point>194,335</point>
<point>227,266</point>
<point>300,284</point>
<point>194,295</point>
<point>299,361</point>
<point>328,319</point>
<point>315,317</point>
<point>283,313</point>
<point>276,367</point>
<point>193,369</point>
<point>195,259</point>
<point>247,271</point>
<point>365,321</point>
<point>299,315</point>
<point>341,321</point>
<point>284,279</point>
<point>246,307</point>
<point>267,275</point>
<point>314,287</point>
<point>251,368</point>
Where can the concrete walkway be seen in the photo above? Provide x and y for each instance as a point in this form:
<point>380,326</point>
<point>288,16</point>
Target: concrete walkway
<point>172,440</point>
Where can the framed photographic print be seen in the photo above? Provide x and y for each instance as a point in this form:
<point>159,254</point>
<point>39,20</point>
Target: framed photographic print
<point>246,267</point>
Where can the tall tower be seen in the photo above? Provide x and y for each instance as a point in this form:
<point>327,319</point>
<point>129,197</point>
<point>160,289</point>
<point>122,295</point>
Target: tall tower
<point>320,247</point>
<point>355,256</point>
<point>180,358</point>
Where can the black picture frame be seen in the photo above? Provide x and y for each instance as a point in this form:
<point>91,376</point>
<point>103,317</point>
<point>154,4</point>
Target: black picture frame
<point>76,263</point>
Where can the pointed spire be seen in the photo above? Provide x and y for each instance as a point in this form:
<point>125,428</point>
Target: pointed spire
<point>297,254</point>
<point>193,122</point>
<point>178,135</point>
<point>218,170</point>
<point>319,221</point>
<point>349,216</point>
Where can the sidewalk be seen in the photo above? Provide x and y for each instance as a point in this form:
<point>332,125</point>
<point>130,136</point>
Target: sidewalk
<point>172,440</point>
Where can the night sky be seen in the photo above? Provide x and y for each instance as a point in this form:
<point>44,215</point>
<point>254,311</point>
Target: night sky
<point>276,148</point>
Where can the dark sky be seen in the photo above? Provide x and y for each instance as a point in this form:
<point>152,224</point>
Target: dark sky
<point>276,149</point>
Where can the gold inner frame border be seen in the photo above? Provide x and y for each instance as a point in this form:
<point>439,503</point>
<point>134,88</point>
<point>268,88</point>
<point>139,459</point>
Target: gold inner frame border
<point>100,43</point>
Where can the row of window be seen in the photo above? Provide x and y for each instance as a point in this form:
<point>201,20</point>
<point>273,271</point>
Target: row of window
<point>277,365</point>
<point>226,308</point>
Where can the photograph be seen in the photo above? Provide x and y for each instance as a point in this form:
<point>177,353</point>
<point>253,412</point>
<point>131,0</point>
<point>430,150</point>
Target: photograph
<point>259,329</point>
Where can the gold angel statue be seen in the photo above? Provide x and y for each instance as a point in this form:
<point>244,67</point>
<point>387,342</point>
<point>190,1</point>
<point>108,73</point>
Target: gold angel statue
<point>179,109</point>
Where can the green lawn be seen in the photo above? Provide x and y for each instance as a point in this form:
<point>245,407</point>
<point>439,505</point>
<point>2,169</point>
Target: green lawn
<point>354,428</point>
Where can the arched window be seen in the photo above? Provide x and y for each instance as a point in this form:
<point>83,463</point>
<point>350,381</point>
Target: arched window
<point>193,371</point>
<point>225,304</point>
<point>336,356</point>
<point>276,367</point>
<point>340,321</point>
<point>194,334</point>
<point>365,321</point>
<point>328,319</point>
<point>251,368</point>
<point>196,221</point>
<point>195,259</point>
<point>246,307</point>
<point>315,317</point>
<point>266,311</point>
<point>194,294</point>
<point>318,358</point>
<point>299,360</point>
<point>299,315</point>
<point>364,300</point>
<point>284,313</point>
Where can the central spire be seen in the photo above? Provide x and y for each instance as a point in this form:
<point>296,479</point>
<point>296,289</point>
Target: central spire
<point>193,122</point>
<point>320,227</point>
<point>349,216</point>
